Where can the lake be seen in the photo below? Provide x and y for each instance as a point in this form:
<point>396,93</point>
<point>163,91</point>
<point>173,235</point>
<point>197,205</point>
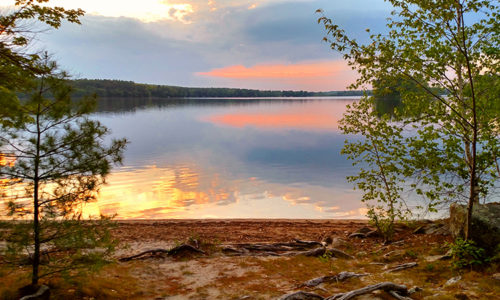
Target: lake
<point>228,158</point>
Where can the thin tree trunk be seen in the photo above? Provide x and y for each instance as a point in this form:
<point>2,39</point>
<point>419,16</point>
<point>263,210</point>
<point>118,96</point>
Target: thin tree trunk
<point>474,184</point>
<point>36,230</point>
<point>36,206</point>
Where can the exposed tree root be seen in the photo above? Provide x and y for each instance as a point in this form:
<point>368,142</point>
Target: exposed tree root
<point>389,287</point>
<point>398,296</point>
<point>293,248</point>
<point>278,247</point>
<point>43,292</point>
<point>402,267</point>
<point>339,277</point>
<point>397,291</point>
<point>182,250</point>
<point>300,295</point>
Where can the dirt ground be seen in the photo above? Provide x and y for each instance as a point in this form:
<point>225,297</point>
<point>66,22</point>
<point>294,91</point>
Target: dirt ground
<point>234,230</point>
<point>215,275</point>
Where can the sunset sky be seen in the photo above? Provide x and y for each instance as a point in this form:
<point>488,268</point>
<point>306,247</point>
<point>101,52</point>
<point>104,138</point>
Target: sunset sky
<point>260,44</point>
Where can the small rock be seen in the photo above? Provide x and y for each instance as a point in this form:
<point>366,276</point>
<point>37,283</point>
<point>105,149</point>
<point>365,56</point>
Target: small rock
<point>496,276</point>
<point>338,242</point>
<point>453,280</point>
<point>435,258</point>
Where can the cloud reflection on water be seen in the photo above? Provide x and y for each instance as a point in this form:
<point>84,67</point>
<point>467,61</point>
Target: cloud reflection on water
<point>229,158</point>
<point>183,192</point>
<point>321,116</point>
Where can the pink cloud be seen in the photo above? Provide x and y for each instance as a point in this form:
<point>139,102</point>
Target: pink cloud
<point>314,76</point>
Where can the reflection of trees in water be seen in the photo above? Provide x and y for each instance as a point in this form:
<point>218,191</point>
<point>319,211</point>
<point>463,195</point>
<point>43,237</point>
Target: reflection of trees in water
<point>122,105</point>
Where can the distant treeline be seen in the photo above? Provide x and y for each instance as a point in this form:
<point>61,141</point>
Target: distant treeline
<point>119,88</point>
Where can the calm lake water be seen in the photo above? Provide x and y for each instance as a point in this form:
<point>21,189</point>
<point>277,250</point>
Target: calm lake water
<point>228,158</point>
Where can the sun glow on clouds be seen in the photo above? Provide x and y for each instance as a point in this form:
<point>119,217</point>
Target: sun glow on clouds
<point>301,70</point>
<point>312,76</point>
<point>144,10</point>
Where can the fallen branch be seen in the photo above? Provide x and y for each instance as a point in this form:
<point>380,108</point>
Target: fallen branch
<point>385,286</point>
<point>176,251</point>
<point>339,277</point>
<point>402,267</point>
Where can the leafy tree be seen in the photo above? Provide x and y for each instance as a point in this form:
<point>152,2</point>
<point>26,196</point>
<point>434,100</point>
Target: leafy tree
<point>451,46</point>
<point>380,176</point>
<point>16,33</point>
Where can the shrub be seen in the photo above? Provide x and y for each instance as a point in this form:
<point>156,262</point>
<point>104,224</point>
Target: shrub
<point>465,254</point>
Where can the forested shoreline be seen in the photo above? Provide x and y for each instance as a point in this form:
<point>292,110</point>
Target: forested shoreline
<point>120,88</point>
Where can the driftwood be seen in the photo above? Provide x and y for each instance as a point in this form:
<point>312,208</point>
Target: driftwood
<point>400,290</point>
<point>402,267</point>
<point>339,277</point>
<point>181,250</point>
